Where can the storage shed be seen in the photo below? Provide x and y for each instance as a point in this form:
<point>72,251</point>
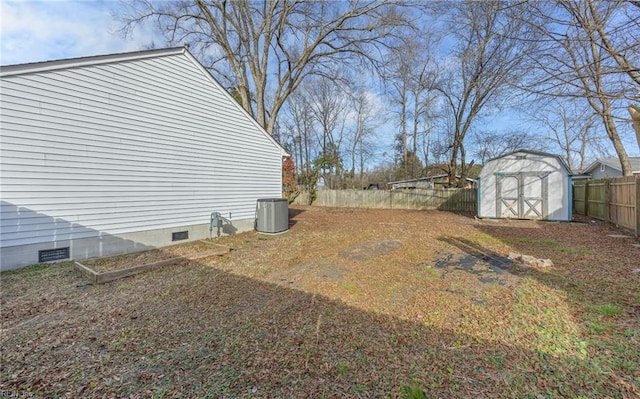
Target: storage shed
<point>525,185</point>
<point>120,153</point>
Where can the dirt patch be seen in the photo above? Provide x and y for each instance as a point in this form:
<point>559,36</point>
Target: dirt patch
<point>320,269</point>
<point>488,270</point>
<point>370,249</point>
<point>485,264</point>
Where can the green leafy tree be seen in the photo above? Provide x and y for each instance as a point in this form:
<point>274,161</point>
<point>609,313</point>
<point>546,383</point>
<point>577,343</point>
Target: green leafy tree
<point>410,167</point>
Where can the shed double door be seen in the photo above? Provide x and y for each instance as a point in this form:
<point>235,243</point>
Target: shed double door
<point>522,195</point>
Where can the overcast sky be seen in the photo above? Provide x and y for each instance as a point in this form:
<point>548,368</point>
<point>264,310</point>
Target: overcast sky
<point>33,31</point>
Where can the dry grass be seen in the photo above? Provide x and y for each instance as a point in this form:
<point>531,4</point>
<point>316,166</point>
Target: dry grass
<point>349,303</point>
<point>125,261</point>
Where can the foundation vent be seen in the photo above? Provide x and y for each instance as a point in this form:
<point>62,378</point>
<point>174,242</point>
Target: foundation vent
<point>48,255</point>
<point>179,235</point>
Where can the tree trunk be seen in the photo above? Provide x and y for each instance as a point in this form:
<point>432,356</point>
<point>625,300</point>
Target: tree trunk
<point>453,164</point>
<point>463,167</point>
<point>361,165</point>
<point>404,132</point>
<point>415,136</point>
<point>617,145</point>
<point>634,110</point>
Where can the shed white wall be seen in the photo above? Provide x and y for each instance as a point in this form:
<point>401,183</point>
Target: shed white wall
<point>112,149</point>
<point>559,190</point>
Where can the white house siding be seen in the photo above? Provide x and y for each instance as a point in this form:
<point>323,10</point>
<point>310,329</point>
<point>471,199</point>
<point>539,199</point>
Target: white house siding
<point>558,205</point>
<point>115,149</point>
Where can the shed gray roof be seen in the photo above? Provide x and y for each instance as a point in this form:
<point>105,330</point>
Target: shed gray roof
<point>614,162</point>
<point>544,154</point>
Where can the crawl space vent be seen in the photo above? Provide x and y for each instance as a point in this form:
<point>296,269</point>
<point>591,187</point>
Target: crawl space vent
<point>179,235</point>
<point>48,255</point>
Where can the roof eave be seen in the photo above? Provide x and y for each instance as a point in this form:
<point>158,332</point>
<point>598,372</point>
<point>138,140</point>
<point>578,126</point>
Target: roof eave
<point>20,69</point>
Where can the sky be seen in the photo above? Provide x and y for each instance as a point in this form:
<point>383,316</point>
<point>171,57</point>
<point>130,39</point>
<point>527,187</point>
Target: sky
<point>33,31</point>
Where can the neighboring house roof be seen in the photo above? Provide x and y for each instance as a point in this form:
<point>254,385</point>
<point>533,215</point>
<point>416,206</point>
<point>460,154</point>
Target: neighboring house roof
<point>543,154</point>
<point>426,178</point>
<point>614,163</point>
<point>21,69</point>
<point>411,180</point>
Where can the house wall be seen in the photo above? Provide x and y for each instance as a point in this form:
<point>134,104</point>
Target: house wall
<point>411,185</point>
<point>559,182</point>
<point>112,158</point>
<point>608,172</point>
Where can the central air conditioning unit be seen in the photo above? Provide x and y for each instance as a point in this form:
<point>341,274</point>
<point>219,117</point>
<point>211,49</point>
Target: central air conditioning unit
<point>272,215</point>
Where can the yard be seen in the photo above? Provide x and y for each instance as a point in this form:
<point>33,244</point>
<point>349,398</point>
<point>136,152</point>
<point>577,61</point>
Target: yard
<point>348,303</point>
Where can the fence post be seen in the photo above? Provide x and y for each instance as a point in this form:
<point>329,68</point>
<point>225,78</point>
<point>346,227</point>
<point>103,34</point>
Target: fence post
<point>607,200</point>
<point>586,197</point>
<point>637,209</point>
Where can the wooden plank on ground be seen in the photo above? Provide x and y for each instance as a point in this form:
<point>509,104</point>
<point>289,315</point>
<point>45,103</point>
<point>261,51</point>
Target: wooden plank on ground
<point>105,277</point>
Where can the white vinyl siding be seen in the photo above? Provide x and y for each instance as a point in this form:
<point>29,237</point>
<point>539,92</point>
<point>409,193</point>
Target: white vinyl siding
<point>125,147</point>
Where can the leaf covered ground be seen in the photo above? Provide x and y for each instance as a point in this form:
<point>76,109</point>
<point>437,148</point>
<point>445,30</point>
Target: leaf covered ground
<point>348,303</point>
<point>126,261</point>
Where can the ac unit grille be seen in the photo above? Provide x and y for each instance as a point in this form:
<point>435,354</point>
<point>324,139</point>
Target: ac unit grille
<point>272,215</point>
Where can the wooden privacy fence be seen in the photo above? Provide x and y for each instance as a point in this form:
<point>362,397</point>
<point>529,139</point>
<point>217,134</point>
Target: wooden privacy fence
<point>452,199</point>
<point>615,200</point>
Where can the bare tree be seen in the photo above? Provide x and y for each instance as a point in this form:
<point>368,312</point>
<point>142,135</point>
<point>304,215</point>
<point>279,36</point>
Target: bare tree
<point>299,122</point>
<point>439,150</point>
<point>317,115</point>
<point>621,42</point>
<point>334,123</point>
<point>398,78</point>
<point>329,105</point>
<point>493,144</point>
<point>486,59</point>
<point>265,49</point>
<point>634,111</point>
<point>571,126</point>
<point>410,77</point>
<point>580,60</point>
<point>424,83</point>
<point>366,121</point>
<point>624,46</point>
